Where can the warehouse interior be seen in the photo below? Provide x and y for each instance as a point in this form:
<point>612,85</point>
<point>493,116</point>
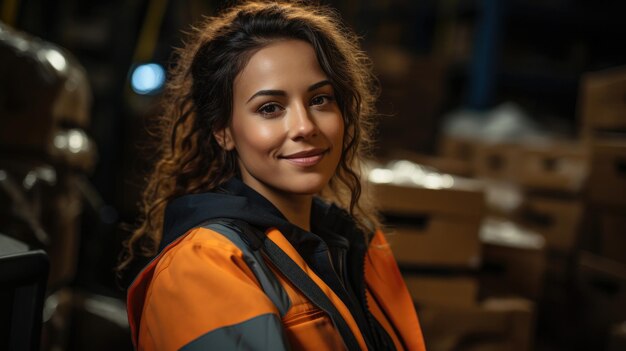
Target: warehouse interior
<point>499,167</point>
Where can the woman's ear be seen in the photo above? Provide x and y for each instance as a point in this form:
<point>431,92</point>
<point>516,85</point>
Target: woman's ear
<point>224,137</point>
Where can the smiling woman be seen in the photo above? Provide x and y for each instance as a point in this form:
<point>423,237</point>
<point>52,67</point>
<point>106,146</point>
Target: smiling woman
<point>254,226</point>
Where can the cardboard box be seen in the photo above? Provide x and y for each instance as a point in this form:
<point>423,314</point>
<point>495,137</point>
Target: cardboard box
<point>433,226</point>
<point>514,260</point>
<point>441,241</point>
<point>458,148</point>
<point>601,285</point>
<point>554,167</point>
<point>557,219</point>
<point>503,198</point>
<point>459,291</point>
<point>606,279</point>
<point>603,106</point>
<point>497,161</point>
<point>513,271</point>
<point>613,236</point>
<point>443,164</point>
<point>465,197</point>
<point>495,324</point>
<point>607,179</point>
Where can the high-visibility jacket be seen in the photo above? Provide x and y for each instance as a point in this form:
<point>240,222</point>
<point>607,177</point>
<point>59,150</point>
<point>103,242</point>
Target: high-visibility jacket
<point>220,283</point>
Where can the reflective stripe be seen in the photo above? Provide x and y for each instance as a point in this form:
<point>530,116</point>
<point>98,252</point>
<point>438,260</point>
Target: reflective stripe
<point>262,332</point>
<point>270,285</point>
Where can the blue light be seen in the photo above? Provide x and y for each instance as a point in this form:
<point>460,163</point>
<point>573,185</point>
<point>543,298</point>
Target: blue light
<point>147,78</point>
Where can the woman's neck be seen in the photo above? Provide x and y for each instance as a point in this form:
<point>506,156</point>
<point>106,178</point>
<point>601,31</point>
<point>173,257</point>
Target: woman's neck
<point>296,208</point>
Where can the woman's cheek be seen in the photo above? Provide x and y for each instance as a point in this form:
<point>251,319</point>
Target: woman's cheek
<point>265,135</point>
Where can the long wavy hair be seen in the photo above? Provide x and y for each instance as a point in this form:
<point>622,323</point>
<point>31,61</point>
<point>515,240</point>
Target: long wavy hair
<point>198,102</point>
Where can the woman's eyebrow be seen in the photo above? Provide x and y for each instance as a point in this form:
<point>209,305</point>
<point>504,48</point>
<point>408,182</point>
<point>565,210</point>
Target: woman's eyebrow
<point>272,92</point>
<point>319,85</point>
<point>267,93</point>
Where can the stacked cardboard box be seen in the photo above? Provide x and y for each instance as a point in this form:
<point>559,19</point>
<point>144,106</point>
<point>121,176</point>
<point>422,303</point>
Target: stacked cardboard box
<point>552,176</point>
<point>602,104</point>
<point>602,272</point>
<point>557,219</point>
<point>433,229</point>
<point>606,191</point>
<point>454,166</point>
<point>603,114</point>
<point>494,324</point>
<point>543,182</point>
<point>459,149</point>
<point>601,283</point>
<point>433,233</point>
<point>514,260</point>
<point>574,195</point>
<point>559,167</point>
<point>497,161</point>
<point>607,182</point>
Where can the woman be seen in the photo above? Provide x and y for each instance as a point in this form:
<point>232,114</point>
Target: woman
<point>268,106</point>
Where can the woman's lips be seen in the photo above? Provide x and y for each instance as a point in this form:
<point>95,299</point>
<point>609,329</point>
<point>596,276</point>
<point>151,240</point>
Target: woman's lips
<point>306,158</point>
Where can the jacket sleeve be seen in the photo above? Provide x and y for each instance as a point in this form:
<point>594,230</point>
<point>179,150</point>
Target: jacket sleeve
<point>204,296</point>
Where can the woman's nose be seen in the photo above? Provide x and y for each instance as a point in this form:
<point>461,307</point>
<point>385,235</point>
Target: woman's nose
<point>301,123</point>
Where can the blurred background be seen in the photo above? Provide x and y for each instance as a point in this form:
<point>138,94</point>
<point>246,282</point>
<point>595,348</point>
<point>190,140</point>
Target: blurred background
<point>500,168</point>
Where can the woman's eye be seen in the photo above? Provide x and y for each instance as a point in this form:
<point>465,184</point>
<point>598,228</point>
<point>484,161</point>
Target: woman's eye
<point>321,99</point>
<point>269,109</point>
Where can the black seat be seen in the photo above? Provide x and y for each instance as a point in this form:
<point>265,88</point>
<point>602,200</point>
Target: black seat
<point>23,277</point>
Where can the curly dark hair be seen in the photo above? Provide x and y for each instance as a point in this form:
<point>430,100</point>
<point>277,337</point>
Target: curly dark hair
<point>198,102</point>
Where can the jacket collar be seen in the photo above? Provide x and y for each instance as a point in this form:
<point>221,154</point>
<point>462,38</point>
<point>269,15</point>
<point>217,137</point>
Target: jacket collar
<point>236,200</point>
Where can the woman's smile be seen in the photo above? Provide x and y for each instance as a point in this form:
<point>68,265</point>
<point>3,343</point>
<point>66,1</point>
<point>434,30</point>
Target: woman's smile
<point>307,158</point>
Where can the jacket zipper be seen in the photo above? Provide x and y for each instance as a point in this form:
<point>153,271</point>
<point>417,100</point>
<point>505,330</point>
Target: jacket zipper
<point>376,329</point>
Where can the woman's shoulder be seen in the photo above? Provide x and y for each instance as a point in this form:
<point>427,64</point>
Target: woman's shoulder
<point>204,237</point>
<point>198,246</point>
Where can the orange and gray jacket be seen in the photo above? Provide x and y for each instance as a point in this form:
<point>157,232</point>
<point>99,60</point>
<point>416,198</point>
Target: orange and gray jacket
<point>234,274</point>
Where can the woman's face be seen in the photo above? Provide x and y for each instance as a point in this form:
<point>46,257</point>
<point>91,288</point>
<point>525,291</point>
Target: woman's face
<point>286,125</point>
